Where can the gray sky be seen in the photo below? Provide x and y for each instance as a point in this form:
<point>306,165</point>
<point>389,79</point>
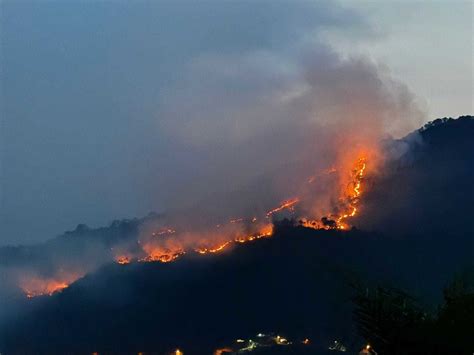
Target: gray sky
<point>427,44</point>
<point>112,109</point>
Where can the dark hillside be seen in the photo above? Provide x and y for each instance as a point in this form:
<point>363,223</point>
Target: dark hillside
<point>415,232</point>
<point>426,189</point>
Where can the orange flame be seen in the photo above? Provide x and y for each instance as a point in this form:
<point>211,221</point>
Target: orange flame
<point>353,193</point>
<point>169,247</point>
<point>34,286</point>
<point>267,231</point>
<point>122,259</point>
<point>348,201</point>
<point>163,255</point>
<point>212,250</point>
<point>289,204</point>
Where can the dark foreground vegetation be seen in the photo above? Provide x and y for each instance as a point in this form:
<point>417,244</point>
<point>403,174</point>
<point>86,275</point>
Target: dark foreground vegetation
<point>395,323</point>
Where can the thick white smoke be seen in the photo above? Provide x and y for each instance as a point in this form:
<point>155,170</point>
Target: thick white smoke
<point>256,125</point>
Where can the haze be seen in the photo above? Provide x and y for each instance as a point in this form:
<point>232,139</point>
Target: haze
<point>112,110</point>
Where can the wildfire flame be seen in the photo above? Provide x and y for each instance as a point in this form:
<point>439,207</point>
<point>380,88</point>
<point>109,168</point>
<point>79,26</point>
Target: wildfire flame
<point>164,245</point>
<point>353,193</point>
<point>122,260</point>
<point>289,204</point>
<point>212,250</point>
<point>348,207</point>
<point>164,255</point>
<point>348,201</point>
<point>44,287</point>
<point>34,286</point>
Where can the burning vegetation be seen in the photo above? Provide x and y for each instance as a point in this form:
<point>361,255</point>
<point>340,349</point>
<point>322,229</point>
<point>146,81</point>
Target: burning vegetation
<point>348,201</point>
<point>38,287</point>
<point>167,243</point>
<point>34,286</point>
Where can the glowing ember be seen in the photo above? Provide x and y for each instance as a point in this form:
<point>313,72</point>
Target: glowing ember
<point>353,193</point>
<point>165,256</point>
<point>168,249</point>
<point>212,250</point>
<point>267,231</point>
<point>122,260</point>
<point>168,244</point>
<point>45,287</point>
<point>289,204</point>
<point>37,286</point>
<point>348,201</point>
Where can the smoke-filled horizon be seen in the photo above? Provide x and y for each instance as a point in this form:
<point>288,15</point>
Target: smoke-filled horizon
<point>201,112</point>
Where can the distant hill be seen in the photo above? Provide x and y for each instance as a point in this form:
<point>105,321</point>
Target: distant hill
<point>426,186</point>
<point>415,232</point>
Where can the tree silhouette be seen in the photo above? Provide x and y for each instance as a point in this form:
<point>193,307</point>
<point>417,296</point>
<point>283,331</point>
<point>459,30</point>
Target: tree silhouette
<point>394,323</point>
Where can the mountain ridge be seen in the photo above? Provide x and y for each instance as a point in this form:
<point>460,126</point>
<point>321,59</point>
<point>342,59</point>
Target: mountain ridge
<point>287,269</point>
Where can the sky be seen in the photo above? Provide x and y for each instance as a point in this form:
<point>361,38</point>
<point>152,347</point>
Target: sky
<point>111,110</point>
<point>427,44</point>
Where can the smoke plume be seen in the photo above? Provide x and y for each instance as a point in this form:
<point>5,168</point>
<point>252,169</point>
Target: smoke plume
<point>254,127</point>
<point>277,117</point>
